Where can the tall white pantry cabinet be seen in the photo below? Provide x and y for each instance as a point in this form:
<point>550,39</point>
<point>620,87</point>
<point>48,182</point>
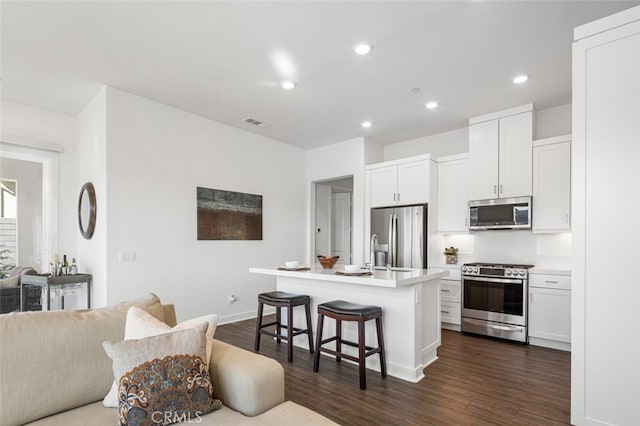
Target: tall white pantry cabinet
<point>605,370</point>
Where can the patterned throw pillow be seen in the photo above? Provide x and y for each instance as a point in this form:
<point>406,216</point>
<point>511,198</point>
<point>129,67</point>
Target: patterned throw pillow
<point>162,379</point>
<point>140,324</point>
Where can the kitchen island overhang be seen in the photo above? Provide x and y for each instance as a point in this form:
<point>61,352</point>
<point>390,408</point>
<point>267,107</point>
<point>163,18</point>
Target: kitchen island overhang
<point>411,311</point>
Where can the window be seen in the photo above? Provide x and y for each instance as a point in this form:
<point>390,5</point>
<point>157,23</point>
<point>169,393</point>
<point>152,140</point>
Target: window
<point>8,226</point>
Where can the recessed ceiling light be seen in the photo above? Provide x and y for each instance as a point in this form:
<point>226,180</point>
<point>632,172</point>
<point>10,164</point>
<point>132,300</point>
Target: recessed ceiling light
<point>520,79</point>
<point>288,85</point>
<point>431,105</point>
<point>366,124</point>
<point>362,48</point>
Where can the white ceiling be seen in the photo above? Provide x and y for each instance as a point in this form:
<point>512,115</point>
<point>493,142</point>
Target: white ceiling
<point>218,60</point>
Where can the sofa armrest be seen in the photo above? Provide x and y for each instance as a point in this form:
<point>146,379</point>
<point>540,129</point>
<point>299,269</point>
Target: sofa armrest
<point>245,381</point>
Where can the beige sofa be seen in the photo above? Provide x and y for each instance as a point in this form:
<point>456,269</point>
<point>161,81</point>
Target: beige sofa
<point>54,371</point>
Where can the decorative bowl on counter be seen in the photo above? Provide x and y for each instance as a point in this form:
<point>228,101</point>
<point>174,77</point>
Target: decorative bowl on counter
<point>327,262</point>
<point>291,264</point>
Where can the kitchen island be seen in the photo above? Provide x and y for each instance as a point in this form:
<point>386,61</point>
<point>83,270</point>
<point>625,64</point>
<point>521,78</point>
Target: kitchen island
<point>410,301</point>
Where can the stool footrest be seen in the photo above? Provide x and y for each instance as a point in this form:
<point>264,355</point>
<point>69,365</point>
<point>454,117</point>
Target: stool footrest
<point>340,354</point>
<point>370,350</point>
<point>297,332</point>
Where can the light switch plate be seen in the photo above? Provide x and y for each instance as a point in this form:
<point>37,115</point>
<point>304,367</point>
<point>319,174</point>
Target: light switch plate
<point>127,256</point>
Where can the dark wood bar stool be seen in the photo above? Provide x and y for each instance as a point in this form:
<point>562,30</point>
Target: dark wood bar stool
<point>345,311</point>
<point>281,299</point>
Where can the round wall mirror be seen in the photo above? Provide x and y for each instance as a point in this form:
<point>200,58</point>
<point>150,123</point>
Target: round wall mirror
<point>87,210</point>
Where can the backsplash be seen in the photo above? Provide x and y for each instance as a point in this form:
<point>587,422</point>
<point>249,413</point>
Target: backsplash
<point>542,250</point>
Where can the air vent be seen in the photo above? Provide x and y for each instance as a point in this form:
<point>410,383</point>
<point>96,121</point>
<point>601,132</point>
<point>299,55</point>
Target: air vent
<point>255,122</point>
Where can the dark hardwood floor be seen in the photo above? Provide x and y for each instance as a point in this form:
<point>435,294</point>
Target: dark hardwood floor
<point>476,381</point>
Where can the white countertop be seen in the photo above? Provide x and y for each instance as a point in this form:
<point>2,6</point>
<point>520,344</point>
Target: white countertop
<point>550,271</point>
<point>380,278</point>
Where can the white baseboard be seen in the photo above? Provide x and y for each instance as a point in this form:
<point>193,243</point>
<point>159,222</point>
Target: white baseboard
<point>228,319</point>
<point>553,344</point>
<point>449,326</point>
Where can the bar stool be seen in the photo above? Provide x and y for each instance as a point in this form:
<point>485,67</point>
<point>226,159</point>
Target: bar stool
<point>345,311</point>
<point>281,299</point>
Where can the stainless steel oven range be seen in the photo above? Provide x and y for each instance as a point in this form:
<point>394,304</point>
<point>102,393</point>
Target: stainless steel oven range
<point>494,300</point>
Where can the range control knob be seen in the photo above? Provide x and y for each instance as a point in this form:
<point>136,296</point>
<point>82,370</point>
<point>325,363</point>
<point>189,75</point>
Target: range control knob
<point>463,269</point>
<point>522,273</point>
<point>475,270</point>
<point>507,272</point>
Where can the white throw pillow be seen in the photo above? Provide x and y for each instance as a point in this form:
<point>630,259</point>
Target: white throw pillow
<point>140,324</point>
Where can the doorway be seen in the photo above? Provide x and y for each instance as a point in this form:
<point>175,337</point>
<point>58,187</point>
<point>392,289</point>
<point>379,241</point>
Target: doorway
<point>333,219</point>
<point>29,200</point>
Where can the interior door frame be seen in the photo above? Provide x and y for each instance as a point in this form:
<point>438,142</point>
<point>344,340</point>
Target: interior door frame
<point>49,156</point>
<point>312,216</point>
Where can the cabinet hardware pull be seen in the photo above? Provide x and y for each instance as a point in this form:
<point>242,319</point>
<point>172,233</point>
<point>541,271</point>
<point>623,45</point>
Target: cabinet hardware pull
<point>444,312</point>
<point>445,290</point>
<point>530,297</point>
<point>466,221</point>
<point>394,197</point>
<point>501,191</point>
<point>566,218</point>
<point>495,188</point>
<point>398,196</point>
<point>551,282</point>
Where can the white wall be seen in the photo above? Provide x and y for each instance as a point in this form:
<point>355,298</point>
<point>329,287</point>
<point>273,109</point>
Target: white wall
<point>157,156</point>
<point>323,220</point>
<point>37,124</point>
<point>441,144</point>
<point>331,162</point>
<point>88,160</point>
<point>553,122</point>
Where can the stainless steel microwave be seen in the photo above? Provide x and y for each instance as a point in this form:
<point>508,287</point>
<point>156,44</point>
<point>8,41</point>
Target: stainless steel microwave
<point>500,213</point>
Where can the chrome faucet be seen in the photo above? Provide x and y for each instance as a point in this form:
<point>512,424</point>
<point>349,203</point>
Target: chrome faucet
<point>374,243</point>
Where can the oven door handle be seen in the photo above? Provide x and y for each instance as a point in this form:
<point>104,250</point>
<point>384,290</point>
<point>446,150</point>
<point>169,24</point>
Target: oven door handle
<point>493,280</point>
<point>494,326</point>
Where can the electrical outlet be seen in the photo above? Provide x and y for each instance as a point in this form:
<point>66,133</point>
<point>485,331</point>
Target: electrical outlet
<point>127,256</point>
<point>232,299</point>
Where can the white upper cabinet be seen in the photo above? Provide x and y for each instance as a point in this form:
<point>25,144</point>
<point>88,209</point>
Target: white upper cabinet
<point>413,183</point>
<point>384,186</point>
<point>552,184</point>
<point>453,193</point>
<point>516,138</point>
<point>484,154</point>
<point>500,154</point>
<point>400,182</point>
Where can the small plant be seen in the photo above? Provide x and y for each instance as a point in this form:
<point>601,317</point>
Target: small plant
<point>450,251</point>
<point>6,261</point>
<point>451,255</point>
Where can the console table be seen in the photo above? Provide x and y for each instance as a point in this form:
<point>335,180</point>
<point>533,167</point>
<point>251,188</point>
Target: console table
<point>62,282</point>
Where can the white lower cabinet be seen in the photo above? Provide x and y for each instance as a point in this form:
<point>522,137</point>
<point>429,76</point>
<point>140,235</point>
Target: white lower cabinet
<point>550,311</point>
<point>450,299</point>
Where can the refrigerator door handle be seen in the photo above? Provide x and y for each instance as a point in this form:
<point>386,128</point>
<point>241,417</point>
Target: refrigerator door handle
<point>394,240</point>
<point>390,253</point>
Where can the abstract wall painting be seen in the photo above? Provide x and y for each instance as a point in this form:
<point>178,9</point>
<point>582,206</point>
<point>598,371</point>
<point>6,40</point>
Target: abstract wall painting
<point>226,215</point>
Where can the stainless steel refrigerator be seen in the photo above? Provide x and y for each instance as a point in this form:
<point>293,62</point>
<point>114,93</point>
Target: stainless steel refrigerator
<point>402,236</point>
